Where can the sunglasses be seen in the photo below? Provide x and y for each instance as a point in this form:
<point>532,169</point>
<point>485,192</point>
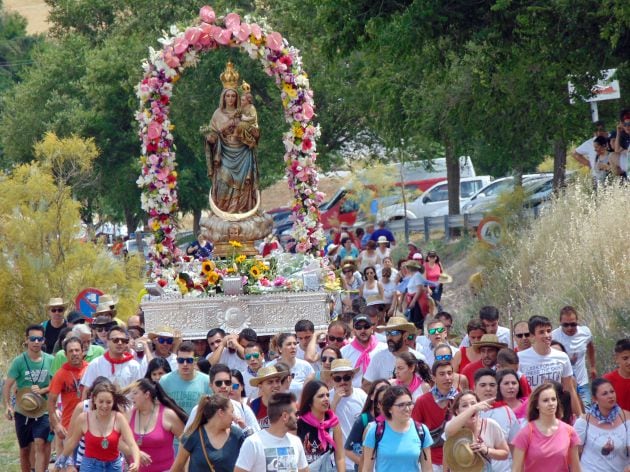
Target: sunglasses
<point>362,327</point>
<point>81,321</point>
<point>569,325</point>
<point>394,332</point>
<point>57,310</point>
<point>119,340</point>
<point>348,271</point>
<point>411,337</point>
<point>626,123</point>
<point>345,378</point>
<point>185,360</point>
<point>100,329</point>
<point>254,355</point>
<point>236,386</point>
<point>328,358</point>
<point>165,340</point>
<point>219,383</point>
<point>36,339</point>
<point>444,357</point>
<point>335,338</point>
<point>521,335</point>
<point>436,330</point>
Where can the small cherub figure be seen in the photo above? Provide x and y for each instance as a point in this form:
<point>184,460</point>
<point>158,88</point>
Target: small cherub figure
<point>234,233</point>
<point>247,130</point>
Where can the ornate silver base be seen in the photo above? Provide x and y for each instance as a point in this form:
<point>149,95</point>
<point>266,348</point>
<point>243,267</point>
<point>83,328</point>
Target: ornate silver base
<point>267,314</point>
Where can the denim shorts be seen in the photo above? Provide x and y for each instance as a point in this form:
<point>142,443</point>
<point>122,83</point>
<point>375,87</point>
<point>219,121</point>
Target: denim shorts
<point>94,465</point>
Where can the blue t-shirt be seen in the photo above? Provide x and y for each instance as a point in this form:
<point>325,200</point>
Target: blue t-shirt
<point>397,451</point>
<point>186,393</point>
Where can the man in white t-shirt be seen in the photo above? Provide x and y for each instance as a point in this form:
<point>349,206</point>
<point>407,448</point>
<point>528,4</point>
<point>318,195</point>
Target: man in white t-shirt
<point>274,449</point>
<point>489,316</point>
<point>578,342</point>
<point>304,332</point>
<point>540,362</point>
<point>231,351</point>
<point>585,153</point>
<point>362,348</point>
<point>383,362</point>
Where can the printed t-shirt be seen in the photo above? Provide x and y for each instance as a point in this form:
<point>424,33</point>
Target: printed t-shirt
<point>598,441</point>
<point>222,459</point>
<point>429,413</point>
<point>264,452</point>
<point>397,452</point>
<point>67,383</point>
<point>186,393</point>
<point>309,435</point>
<point>260,410</point>
<point>554,366</point>
<point>26,373</point>
<point>546,452</point>
<point>576,350</point>
<point>622,388</point>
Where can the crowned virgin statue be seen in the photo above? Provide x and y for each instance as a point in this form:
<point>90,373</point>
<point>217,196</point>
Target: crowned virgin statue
<point>230,143</point>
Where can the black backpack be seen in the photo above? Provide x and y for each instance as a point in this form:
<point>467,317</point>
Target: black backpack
<point>380,429</point>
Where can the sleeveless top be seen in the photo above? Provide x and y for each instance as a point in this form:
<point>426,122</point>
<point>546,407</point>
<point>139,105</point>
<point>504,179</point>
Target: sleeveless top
<point>367,260</point>
<point>158,443</point>
<point>370,292</point>
<point>94,444</point>
<point>464,361</point>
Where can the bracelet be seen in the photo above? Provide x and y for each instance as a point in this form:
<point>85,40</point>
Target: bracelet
<point>69,461</point>
<point>60,462</point>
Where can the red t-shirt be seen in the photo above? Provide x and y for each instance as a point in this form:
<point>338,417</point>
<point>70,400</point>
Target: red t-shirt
<point>428,412</point>
<point>67,383</point>
<point>469,372</point>
<point>622,388</point>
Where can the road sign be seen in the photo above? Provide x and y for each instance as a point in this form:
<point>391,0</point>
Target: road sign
<point>489,230</point>
<point>87,301</point>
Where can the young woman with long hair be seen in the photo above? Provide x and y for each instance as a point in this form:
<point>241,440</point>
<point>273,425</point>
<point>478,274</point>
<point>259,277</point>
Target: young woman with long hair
<point>412,373</point>
<point>212,442</point>
<point>509,393</point>
<point>155,420</point>
<point>157,368</point>
<point>318,428</point>
<point>546,442</point>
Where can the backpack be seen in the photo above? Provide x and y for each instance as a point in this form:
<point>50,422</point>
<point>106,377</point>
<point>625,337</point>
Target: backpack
<point>380,430</point>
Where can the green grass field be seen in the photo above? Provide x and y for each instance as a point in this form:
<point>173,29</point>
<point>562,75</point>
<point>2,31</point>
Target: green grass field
<point>9,451</point>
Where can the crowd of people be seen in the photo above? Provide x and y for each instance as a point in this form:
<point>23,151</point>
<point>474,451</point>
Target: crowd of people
<point>371,392</point>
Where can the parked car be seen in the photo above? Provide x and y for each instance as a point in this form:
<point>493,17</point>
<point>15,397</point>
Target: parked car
<point>434,202</point>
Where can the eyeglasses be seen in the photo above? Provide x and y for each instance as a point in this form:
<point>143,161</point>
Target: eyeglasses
<point>162,340</point>
<point>100,329</point>
<point>411,337</point>
<point>335,338</point>
<point>236,386</point>
<point>345,378</point>
<point>404,406</point>
<point>444,357</point>
<point>328,358</point>
<point>394,332</point>
<point>219,383</point>
<point>185,360</point>
<point>569,325</point>
<point>255,355</point>
<point>436,330</point>
<point>119,340</point>
<point>36,339</point>
<point>521,335</point>
<point>362,327</point>
<point>57,310</point>
<point>348,271</point>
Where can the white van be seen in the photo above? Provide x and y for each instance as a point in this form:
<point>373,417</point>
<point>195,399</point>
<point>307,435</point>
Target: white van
<point>434,202</point>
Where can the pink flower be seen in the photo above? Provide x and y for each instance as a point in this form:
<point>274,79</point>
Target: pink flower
<point>307,144</point>
<point>171,59</point>
<point>256,31</point>
<point>232,22</point>
<point>206,34</point>
<point>155,131</point>
<point>193,35</point>
<point>243,33</point>
<point>307,111</point>
<point>221,36</point>
<point>264,282</point>
<point>302,246</point>
<point>180,45</point>
<point>206,14</point>
<point>274,41</point>
<point>279,281</point>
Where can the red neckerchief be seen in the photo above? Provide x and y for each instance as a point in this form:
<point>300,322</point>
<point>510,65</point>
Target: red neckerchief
<point>126,357</point>
<point>71,368</point>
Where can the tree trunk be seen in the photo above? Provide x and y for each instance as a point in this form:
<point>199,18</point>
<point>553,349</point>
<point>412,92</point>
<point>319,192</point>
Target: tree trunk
<point>559,163</point>
<point>131,220</point>
<point>196,220</point>
<point>452,176</point>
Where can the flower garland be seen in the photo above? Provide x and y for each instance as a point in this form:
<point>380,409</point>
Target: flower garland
<point>164,67</point>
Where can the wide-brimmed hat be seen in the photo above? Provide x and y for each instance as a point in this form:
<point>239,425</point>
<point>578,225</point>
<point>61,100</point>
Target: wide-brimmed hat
<point>164,332</point>
<point>109,299</point>
<point>413,265</point>
<point>382,240</point>
<point>459,455</point>
<point>103,320</point>
<point>56,301</point>
<point>332,247</point>
<point>103,308</point>
<point>445,278</point>
<point>75,317</point>
<point>372,300</point>
<point>397,322</point>
<point>341,365</point>
<point>31,404</point>
<point>489,340</point>
<point>265,373</point>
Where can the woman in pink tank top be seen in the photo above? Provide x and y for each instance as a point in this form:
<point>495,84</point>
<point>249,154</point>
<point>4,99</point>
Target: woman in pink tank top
<point>155,421</point>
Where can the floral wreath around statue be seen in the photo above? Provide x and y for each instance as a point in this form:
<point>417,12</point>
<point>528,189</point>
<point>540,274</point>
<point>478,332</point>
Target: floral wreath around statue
<point>181,49</point>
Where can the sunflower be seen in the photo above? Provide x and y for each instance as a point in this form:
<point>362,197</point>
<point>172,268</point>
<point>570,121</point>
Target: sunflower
<point>240,259</point>
<point>254,272</point>
<point>207,267</point>
<point>212,277</point>
<point>235,244</point>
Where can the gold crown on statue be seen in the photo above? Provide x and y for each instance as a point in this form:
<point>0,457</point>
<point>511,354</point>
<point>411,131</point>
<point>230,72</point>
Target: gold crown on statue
<point>246,87</point>
<point>229,77</point>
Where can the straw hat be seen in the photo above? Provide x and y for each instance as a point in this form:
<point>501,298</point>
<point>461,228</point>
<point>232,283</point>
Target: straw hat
<point>103,320</point>
<point>265,373</point>
<point>31,404</point>
<point>458,454</point>
<point>445,278</point>
<point>397,322</point>
<point>413,265</point>
<point>102,308</point>
<point>374,300</point>
<point>164,332</point>
<point>341,365</point>
<point>107,298</point>
<point>382,240</point>
<point>56,302</point>
<point>489,340</point>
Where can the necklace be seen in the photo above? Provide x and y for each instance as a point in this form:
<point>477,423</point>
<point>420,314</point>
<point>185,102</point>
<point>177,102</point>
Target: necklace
<point>104,441</point>
<point>142,433</point>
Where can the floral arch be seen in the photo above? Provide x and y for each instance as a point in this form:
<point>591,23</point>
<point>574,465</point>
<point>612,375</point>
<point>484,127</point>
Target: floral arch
<point>182,49</point>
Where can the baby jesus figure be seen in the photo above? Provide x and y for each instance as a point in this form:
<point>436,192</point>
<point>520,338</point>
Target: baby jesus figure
<point>247,130</point>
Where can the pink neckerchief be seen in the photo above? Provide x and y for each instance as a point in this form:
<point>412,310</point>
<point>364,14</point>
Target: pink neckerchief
<point>415,383</point>
<point>322,427</point>
<point>364,359</point>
